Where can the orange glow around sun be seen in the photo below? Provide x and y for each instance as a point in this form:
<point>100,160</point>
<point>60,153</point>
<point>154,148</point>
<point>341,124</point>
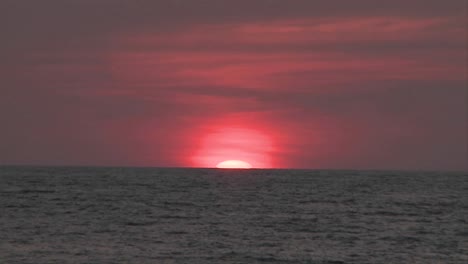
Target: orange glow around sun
<point>233,147</point>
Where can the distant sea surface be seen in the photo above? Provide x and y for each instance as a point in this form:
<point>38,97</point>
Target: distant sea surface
<point>153,215</point>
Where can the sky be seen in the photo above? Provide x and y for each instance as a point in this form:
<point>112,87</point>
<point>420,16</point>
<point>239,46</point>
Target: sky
<point>330,84</point>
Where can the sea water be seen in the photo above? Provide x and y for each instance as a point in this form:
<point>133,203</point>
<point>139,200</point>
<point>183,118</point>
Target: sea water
<point>159,215</point>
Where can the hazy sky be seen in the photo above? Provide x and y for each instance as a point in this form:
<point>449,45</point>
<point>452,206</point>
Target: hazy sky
<point>304,84</point>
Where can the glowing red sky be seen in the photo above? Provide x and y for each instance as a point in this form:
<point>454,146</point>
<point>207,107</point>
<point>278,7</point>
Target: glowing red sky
<point>296,84</point>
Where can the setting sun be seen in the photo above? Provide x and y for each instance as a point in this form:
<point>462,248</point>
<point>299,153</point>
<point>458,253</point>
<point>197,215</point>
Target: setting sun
<point>232,143</point>
<point>234,164</point>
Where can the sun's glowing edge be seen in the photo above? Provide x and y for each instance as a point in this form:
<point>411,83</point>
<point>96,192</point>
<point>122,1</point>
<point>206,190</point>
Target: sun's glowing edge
<point>234,164</point>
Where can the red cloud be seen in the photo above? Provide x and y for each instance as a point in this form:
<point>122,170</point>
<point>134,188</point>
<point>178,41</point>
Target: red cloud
<point>173,60</point>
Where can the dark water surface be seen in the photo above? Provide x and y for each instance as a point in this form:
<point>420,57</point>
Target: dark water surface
<point>128,215</point>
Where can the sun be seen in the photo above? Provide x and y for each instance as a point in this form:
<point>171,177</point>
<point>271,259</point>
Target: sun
<point>234,164</point>
<point>232,145</point>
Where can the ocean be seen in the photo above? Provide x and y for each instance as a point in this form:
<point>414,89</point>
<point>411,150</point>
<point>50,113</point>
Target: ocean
<point>178,215</point>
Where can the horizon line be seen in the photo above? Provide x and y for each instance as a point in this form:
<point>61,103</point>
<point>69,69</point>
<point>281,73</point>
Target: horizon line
<point>224,169</point>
